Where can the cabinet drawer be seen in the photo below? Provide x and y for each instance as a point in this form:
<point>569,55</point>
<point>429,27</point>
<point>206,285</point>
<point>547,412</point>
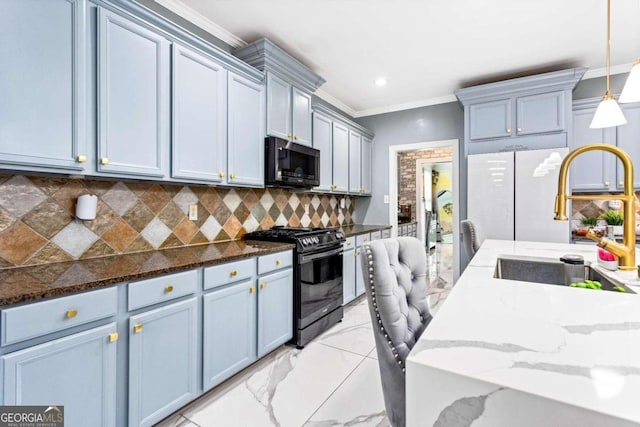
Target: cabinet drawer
<point>41,318</point>
<point>349,244</point>
<point>267,263</point>
<point>229,272</point>
<point>376,235</point>
<point>160,289</point>
<point>362,239</point>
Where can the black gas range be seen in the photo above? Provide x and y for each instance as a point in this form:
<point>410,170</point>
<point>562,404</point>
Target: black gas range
<point>317,277</point>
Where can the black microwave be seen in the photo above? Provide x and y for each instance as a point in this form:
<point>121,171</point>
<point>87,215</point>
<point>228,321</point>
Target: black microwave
<point>288,164</point>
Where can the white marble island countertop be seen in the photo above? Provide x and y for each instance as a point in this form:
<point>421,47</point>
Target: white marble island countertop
<point>507,353</point>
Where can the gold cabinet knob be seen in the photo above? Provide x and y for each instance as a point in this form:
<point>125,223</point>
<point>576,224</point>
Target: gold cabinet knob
<point>289,135</point>
<point>71,313</point>
<point>621,183</point>
<point>252,290</point>
<point>278,262</point>
<point>137,328</point>
<point>104,161</point>
<point>295,137</point>
<point>232,175</point>
<point>113,337</point>
<point>348,243</point>
<point>519,129</point>
<point>607,183</point>
<point>81,159</point>
<point>233,273</point>
<point>168,288</point>
<point>263,285</point>
<point>508,130</point>
<point>221,174</point>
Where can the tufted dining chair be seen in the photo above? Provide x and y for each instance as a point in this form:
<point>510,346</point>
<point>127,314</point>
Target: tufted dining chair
<point>470,239</point>
<point>396,285</point>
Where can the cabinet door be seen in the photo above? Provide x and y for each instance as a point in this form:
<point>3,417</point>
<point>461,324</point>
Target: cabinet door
<point>78,372</point>
<point>275,310</point>
<point>628,138</point>
<point>355,157</point>
<point>278,107</point>
<point>229,332</point>
<point>245,163</point>
<point>340,158</point>
<point>365,165</point>
<point>301,117</point>
<point>540,113</point>
<point>322,141</point>
<point>593,170</point>
<point>359,277</point>
<point>349,276</point>
<point>490,119</point>
<point>199,143</point>
<point>162,361</point>
<point>133,97</point>
<point>42,106</point>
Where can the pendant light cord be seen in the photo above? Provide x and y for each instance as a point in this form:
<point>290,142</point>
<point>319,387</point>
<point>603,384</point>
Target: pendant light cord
<point>608,93</point>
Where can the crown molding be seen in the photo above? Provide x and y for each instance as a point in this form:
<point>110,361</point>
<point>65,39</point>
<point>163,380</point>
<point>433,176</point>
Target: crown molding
<point>320,93</point>
<point>601,72</point>
<point>406,106</point>
<point>198,19</point>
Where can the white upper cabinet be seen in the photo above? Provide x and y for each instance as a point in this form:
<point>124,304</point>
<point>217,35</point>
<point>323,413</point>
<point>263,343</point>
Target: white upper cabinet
<point>133,98</point>
<point>198,144</point>
<point>42,102</point>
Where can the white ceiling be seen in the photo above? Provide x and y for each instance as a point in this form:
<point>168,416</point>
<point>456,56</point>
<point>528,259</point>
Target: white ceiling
<point>426,49</point>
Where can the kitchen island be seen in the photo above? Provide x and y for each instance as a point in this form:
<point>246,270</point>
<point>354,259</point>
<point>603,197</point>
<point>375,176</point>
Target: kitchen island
<point>504,353</point>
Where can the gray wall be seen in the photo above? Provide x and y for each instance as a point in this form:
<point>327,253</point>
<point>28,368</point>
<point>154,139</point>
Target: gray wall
<point>596,87</point>
<point>432,123</point>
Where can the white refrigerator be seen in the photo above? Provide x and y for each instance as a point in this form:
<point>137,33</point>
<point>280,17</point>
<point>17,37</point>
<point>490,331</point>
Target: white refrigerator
<point>511,195</point>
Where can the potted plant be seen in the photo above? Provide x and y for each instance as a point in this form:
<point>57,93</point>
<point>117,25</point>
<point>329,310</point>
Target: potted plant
<point>588,222</point>
<point>615,219</point>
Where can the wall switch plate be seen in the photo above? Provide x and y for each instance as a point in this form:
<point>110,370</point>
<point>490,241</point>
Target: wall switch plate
<point>386,199</point>
<point>343,204</point>
<point>193,212</point>
<point>306,209</point>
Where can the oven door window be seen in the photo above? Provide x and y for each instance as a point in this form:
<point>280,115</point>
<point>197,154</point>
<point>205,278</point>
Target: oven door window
<point>321,285</point>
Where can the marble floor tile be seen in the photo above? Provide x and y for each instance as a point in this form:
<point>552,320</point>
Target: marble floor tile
<point>354,333</point>
<point>357,402</point>
<point>373,354</point>
<point>283,392</point>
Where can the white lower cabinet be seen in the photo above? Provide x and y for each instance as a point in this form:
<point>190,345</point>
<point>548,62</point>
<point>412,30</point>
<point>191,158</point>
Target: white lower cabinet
<point>229,331</point>
<point>77,371</point>
<point>163,357</point>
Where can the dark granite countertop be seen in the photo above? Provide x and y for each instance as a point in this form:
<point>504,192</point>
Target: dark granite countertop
<point>355,229</point>
<point>22,284</point>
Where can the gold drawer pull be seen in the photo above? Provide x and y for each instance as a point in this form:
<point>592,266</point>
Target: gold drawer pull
<point>252,290</point>
<point>263,285</point>
<point>278,262</point>
<point>137,328</point>
<point>508,130</point>
<point>113,337</point>
<point>621,183</point>
<point>233,273</point>
<point>289,135</point>
<point>607,183</point>
<point>221,174</point>
<point>81,159</point>
<point>295,137</point>
<point>71,313</point>
<point>104,161</point>
<point>168,288</point>
<point>232,175</point>
<point>519,129</point>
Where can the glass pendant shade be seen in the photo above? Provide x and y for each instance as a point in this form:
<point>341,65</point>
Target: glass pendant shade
<point>631,91</point>
<point>608,114</point>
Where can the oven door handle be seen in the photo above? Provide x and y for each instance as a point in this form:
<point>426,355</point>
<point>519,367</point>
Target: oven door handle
<point>307,258</point>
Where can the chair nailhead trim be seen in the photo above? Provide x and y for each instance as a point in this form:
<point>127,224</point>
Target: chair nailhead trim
<point>394,351</point>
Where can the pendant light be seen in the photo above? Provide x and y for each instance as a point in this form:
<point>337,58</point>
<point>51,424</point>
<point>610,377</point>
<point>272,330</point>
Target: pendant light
<point>608,113</point>
<point>631,91</point>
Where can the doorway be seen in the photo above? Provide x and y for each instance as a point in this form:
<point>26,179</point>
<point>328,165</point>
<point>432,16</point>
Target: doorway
<point>452,198</point>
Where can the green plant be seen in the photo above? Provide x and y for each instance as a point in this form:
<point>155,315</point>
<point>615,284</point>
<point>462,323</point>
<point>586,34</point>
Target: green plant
<point>613,217</point>
<point>590,220</point>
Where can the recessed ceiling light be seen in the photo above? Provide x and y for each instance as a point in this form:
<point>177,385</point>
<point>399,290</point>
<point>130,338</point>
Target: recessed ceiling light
<point>381,81</point>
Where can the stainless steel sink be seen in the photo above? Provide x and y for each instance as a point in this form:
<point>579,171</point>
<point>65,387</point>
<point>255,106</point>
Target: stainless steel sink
<point>547,270</point>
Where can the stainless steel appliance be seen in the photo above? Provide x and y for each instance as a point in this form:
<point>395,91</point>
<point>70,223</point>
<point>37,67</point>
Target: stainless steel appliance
<point>317,278</point>
<point>288,164</point>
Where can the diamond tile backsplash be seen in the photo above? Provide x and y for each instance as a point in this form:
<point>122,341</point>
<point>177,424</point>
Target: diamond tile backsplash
<point>38,225</point>
<point>594,208</point>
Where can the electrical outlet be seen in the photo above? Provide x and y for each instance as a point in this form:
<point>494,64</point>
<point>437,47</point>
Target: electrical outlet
<point>343,203</point>
<point>193,212</point>
<point>306,209</point>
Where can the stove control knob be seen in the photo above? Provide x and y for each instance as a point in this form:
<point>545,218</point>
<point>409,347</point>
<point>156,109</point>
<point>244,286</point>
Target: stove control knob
<point>305,240</point>
<point>317,239</point>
